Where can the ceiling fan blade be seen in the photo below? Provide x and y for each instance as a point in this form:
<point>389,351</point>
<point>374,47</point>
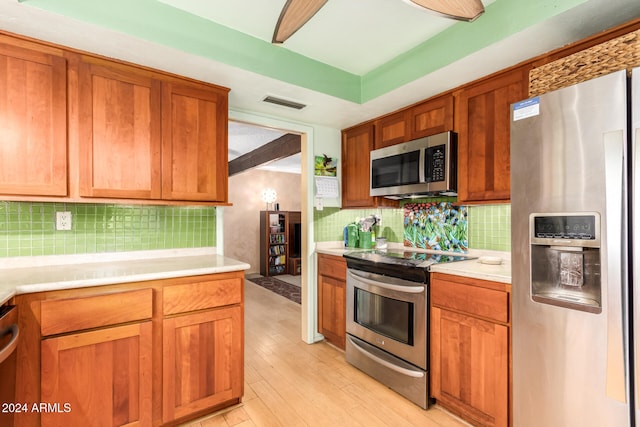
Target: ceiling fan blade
<point>294,15</point>
<point>464,10</point>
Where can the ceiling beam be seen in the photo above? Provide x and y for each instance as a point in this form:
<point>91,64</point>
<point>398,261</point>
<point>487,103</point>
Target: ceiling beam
<point>285,146</point>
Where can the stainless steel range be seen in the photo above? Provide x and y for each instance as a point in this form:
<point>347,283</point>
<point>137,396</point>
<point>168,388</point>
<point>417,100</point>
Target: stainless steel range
<point>388,317</point>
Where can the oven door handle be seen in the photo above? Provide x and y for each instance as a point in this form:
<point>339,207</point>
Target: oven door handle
<point>13,342</point>
<point>405,289</point>
<point>399,369</point>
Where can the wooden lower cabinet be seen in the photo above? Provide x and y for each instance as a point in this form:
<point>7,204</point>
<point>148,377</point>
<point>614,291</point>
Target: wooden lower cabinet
<point>98,378</point>
<point>332,282</point>
<point>470,348</point>
<point>201,364</point>
<point>135,354</point>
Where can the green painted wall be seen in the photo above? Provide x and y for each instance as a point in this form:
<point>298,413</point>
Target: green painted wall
<point>28,229</point>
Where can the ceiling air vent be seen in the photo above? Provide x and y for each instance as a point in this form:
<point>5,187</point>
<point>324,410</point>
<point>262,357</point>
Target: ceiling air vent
<point>284,102</point>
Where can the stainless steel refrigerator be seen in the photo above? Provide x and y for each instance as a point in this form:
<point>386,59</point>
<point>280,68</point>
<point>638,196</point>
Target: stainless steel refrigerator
<point>575,242</point>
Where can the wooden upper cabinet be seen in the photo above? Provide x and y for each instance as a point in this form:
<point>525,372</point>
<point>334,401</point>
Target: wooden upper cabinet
<point>119,129</point>
<point>483,125</point>
<point>392,129</point>
<point>194,142</point>
<point>432,117</point>
<point>33,121</point>
<point>427,118</point>
<point>356,145</point>
<point>150,137</point>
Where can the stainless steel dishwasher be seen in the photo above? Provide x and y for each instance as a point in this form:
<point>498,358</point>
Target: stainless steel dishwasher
<point>8,342</point>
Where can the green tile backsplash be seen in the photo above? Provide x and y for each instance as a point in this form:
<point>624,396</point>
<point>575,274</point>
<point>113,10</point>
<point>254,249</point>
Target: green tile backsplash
<point>28,229</point>
<point>489,225</point>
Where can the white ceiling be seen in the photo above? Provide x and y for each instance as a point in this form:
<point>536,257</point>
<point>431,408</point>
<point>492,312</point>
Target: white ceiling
<point>353,35</point>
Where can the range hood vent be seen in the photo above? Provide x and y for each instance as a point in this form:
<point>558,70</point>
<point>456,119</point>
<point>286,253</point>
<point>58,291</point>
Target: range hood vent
<point>283,102</point>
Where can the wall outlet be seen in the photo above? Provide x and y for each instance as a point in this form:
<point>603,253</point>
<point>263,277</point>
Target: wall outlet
<point>63,220</point>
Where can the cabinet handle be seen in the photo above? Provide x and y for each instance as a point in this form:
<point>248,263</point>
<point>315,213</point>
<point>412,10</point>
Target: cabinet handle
<point>13,342</point>
<point>398,288</point>
<point>399,369</point>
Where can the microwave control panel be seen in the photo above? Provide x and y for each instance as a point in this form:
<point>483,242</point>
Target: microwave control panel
<point>435,164</point>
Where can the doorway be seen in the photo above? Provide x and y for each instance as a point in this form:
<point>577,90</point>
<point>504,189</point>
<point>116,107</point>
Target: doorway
<point>247,201</point>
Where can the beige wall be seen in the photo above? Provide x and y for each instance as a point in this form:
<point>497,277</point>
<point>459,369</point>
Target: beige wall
<point>242,220</point>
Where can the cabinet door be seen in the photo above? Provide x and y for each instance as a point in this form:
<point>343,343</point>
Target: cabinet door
<point>483,125</point>
<point>33,122</point>
<point>119,131</point>
<point>202,361</point>
<point>432,117</point>
<point>393,129</point>
<point>194,142</point>
<point>356,145</point>
<point>332,310</point>
<point>98,378</point>
<point>469,367</point>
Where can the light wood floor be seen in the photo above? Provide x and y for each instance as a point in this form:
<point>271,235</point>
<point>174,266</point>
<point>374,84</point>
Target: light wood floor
<point>291,383</point>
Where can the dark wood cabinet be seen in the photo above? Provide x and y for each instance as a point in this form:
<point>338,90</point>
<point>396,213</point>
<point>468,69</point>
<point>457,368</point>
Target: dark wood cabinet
<point>483,125</point>
<point>332,282</point>
<point>279,243</point>
<point>470,349</point>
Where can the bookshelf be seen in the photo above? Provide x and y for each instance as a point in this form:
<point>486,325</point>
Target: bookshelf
<point>279,243</point>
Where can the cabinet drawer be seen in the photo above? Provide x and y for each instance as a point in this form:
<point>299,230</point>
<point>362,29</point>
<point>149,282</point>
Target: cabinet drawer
<point>200,295</point>
<point>58,316</point>
<point>332,266</point>
<point>474,300</point>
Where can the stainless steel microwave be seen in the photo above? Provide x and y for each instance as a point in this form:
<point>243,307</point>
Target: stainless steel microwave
<point>422,167</point>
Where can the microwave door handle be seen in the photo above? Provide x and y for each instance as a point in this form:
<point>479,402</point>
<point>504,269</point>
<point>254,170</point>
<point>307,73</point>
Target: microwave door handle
<point>399,369</point>
<point>421,163</point>
<point>397,288</point>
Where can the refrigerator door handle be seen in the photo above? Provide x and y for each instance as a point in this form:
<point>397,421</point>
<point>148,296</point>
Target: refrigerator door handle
<point>616,280</point>
<point>636,244</point>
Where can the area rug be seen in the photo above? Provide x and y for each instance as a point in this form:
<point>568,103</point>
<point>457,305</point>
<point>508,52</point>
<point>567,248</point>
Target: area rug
<point>280,287</point>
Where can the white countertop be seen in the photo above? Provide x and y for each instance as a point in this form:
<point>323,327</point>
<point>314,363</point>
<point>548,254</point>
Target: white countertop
<point>477,270</point>
<point>472,268</point>
<point>69,272</point>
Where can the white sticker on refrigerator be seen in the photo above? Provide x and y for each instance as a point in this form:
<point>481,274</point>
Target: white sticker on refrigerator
<point>527,108</point>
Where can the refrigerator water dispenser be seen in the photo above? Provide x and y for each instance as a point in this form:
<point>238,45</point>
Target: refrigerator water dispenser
<point>565,260</point>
